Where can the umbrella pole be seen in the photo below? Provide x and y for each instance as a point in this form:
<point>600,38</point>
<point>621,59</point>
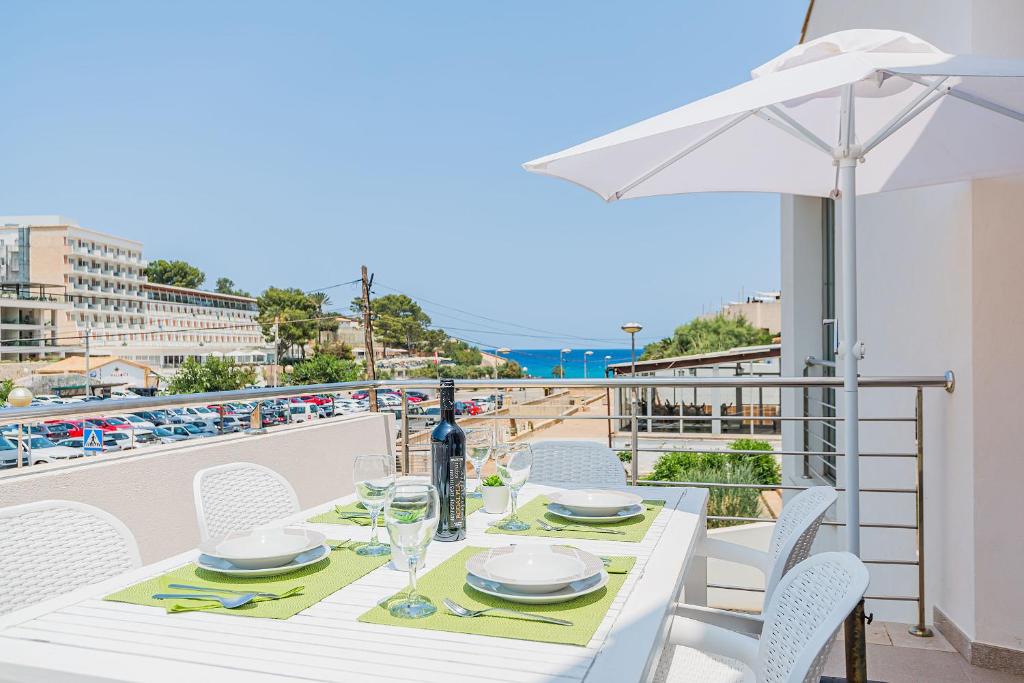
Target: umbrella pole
<point>847,157</point>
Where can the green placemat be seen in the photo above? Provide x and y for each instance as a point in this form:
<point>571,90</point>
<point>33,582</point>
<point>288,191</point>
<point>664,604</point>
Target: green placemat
<point>332,516</point>
<point>635,528</point>
<point>334,572</point>
<point>448,580</point>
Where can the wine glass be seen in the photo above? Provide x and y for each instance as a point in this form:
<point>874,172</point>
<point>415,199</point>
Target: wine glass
<point>478,451</point>
<point>514,462</point>
<point>374,476</point>
<point>411,512</point>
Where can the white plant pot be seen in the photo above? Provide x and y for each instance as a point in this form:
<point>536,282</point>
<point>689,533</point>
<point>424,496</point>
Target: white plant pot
<point>495,499</point>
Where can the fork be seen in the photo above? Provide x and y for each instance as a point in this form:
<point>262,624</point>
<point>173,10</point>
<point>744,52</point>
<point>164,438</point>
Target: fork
<point>550,527</point>
<point>227,603</point>
<point>460,611</point>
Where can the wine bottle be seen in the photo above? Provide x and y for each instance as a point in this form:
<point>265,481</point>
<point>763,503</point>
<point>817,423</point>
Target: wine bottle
<point>448,468</point>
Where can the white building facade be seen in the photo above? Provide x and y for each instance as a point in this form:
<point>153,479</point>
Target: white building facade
<point>938,268</point>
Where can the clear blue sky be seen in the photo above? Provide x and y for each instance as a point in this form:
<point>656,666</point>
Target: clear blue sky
<point>286,143</point>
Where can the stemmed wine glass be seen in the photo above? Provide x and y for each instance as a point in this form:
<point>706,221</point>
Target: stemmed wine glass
<point>478,450</point>
<point>374,476</point>
<point>411,512</point>
<point>514,462</point>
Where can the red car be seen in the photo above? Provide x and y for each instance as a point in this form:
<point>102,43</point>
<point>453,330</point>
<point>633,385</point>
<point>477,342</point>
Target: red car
<point>318,400</point>
<point>76,426</point>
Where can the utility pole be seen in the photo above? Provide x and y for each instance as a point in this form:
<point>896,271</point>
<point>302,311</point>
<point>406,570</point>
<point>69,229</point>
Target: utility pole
<point>371,361</point>
<point>277,347</point>
<point>88,332</point>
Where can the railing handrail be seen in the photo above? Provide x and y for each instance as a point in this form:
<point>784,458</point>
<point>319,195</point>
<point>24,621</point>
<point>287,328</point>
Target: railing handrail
<point>8,415</point>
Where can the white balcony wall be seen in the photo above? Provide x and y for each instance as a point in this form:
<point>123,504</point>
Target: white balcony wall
<point>938,277</point>
<point>151,489</point>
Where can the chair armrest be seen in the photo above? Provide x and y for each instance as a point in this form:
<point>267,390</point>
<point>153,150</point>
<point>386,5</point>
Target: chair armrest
<point>737,622</point>
<point>733,552</point>
<point>713,640</point>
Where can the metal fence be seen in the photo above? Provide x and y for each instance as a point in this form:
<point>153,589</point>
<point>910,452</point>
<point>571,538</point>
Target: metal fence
<point>816,422</point>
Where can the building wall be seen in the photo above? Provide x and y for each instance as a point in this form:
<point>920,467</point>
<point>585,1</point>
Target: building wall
<point>151,490</point>
<point>936,271</point>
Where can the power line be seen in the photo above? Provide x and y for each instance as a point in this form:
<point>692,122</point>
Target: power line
<point>553,335</point>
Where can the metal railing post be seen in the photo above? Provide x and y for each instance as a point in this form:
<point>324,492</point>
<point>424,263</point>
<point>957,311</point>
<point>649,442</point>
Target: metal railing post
<point>405,432</point>
<point>634,428</point>
<point>920,629</point>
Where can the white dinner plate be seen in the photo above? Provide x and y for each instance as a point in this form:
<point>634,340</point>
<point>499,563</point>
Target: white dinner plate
<point>595,502</point>
<point>263,547</point>
<point>626,513</point>
<point>219,566</point>
<point>574,590</point>
<point>535,569</point>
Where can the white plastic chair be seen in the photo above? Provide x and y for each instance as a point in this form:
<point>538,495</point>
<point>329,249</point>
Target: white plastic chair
<point>51,547</point>
<point>800,625</point>
<point>239,496</point>
<point>791,543</point>
<point>576,462</point>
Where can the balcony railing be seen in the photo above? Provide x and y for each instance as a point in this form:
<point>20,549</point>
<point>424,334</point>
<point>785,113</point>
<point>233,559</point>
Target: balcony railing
<point>624,425</point>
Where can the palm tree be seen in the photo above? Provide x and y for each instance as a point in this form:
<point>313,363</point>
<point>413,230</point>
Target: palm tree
<point>320,299</point>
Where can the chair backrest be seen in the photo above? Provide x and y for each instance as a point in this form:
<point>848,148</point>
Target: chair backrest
<point>804,615</point>
<point>239,496</point>
<point>795,531</point>
<point>577,462</point>
<point>51,547</point>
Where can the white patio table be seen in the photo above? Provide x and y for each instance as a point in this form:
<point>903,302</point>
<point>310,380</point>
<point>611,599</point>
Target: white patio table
<point>80,637</point>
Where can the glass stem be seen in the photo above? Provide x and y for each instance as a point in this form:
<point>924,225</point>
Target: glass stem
<point>374,513</point>
<point>515,516</point>
<point>413,561</point>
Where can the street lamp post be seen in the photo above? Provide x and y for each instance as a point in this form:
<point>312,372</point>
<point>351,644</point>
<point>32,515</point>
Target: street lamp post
<point>585,354</point>
<point>561,362</point>
<point>20,397</point>
<point>606,359</point>
<point>631,329</point>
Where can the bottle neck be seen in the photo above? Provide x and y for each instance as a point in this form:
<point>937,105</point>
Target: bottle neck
<point>447,400</point>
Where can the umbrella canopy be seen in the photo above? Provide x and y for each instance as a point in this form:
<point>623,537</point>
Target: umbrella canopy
<point>777,132</point>
<point>858,111</point>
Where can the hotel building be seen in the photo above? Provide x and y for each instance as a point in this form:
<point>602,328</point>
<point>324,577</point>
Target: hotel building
<point>96,282</point>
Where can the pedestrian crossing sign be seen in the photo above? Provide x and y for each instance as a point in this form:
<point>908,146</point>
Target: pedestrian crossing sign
<point>92,439</point>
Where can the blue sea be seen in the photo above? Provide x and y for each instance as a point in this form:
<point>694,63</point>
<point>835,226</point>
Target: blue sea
<point>539,362</point>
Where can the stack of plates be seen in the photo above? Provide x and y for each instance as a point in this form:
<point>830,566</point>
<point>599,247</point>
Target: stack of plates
<point>536,574</point>
<point>264,551</point>
<point>595,505</point>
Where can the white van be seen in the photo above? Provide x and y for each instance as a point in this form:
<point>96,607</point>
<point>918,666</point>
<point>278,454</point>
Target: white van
<point>304,412</point>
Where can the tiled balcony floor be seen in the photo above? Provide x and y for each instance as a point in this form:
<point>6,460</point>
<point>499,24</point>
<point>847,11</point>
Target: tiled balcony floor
<point>895,656</point>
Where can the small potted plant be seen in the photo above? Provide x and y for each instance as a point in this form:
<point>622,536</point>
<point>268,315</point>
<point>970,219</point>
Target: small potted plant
<point>495,495</point>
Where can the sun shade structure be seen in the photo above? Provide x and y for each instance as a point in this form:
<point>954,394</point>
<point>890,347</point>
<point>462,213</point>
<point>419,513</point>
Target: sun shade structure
<point>859,111</point>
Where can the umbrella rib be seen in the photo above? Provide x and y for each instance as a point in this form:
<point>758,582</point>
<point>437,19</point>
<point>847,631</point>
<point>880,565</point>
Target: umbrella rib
<point>915,107</point>
<point>973,99</point>
<point>793,127</point>
<point>679,155</point>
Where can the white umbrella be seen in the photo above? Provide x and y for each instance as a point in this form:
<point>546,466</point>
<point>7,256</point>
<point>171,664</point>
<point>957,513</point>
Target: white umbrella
<point>911,113</point>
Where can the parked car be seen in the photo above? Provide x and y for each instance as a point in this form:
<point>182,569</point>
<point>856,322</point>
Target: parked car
<point>157,418</point>
<point>486,403</point>
<point>52,431</point>
<point>168,435</point>
<point>188,430</point>
<point>123,393</point>
<point>360,395</point>
<point>9,454</point>
<point>467,408</point>
<point>229,424</point>
<point>52,399</point>
<point>388,400</point>
<point>44,450</point>
<point>423,396</point>
<point>79,443</point>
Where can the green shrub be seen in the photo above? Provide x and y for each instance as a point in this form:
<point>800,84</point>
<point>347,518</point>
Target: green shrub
<point>728,502</point>
<point>676,466</point>
<point>625,456</point>
<point>766,469</point>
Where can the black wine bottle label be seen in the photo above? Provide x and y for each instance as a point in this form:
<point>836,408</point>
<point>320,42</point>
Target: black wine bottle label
<point>448,468</point>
